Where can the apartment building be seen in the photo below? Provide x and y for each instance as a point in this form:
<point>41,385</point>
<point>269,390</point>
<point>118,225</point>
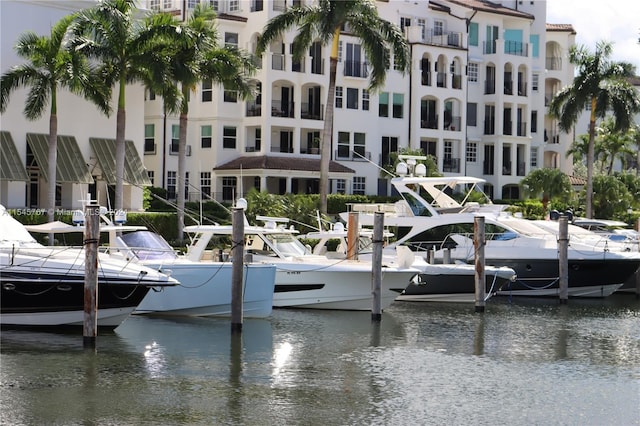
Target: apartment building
<point>474,98</point>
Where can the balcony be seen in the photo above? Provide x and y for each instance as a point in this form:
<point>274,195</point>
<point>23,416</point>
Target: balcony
<point>355,69</point>
<point>437,37</point>
<point>282,109</point>
<point>553,63</point>
<point>429,122</point>
<point>489,47</point>
<point>489,87</point>
<point>506,168</point>
<point>489,127</point>
<point>453,124</point>
<point>488,167</point>
<point>253,109</point>
<point>521,128</point>
<point>516,48</point>
<point>311,112</point>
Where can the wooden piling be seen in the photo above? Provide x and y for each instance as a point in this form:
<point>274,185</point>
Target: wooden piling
<point>376,266</point>
<point>352,236</point>
<point>563,266</point>
<point>237,251</point>
<point>480,280</point>
<point>91,241</point>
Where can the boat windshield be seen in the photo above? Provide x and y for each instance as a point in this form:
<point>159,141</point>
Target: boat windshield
<point>148,245</point>
<point>286,244</point>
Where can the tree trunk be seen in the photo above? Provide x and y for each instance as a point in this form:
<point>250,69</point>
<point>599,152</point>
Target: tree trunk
<point>182,173</point>
<point>51,173</point>
<point>121,122</point>
<point>590,156</point>
<point>327,132</point>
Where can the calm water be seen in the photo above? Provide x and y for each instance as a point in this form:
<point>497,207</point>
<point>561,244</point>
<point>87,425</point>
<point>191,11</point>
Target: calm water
<point>521,363</point>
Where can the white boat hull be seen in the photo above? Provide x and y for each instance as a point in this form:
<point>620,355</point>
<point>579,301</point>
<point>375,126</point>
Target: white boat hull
<point>205,290</point>
<point>344,286</point>
<point>109,317</point>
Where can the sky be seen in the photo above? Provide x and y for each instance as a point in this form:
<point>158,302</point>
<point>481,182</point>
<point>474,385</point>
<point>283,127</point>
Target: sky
<point>617,21</point>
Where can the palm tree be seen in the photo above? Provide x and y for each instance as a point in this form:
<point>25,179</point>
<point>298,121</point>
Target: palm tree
<point>614,144</point>
<point>549,183</point>
<point>194,57</point>
<point>324,21</point>
<point>602,85</point>
<point>110,33</point>
<point>51,66</point>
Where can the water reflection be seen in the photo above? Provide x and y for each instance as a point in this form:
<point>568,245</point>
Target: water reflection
<point>423,363</point>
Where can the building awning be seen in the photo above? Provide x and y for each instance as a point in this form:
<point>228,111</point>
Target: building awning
<point>134,171</point>
<point>11,166</point>
<point>264,163</point>
<point>70,165</point>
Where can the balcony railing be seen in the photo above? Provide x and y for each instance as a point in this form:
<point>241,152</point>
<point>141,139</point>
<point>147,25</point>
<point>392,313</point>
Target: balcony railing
<point>508,87</point>
<point>489,87</point>
<point>282,109</point>
<point>506,168</point>
<point>517,48</point>
<point>487,167</point>
<point>311,112</point>
<point>426,78</point>
<point>356,69</point>
<point>443,38</point>
<point>253,109</point>
<point>521,128</point>
<point>429,122</point>
<point>489,47</point>
<point>522,88</point>
<point>553,63</point>
<point>522,168</point>
<point>277,61</point>
<point>489,127</point>
<point>454,125</point>
<point>441,78</point>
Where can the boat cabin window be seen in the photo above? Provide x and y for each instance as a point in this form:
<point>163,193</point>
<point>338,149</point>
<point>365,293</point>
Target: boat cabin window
<point>439,237</point>
<point>416,206</point>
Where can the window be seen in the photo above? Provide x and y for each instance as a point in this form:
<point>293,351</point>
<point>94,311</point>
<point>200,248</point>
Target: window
<point>534,157</point>
<point>229,137</point>
<point>171,184</point>
<point>383,104</point>
<point>354,64</point>
<point>404,22</point>
<point>175,139</point>
<point>473,34</point>
<point>230,96</point>
<point>205,185</point>
<point>389,145</point>
<point>398,105</point>
<point>205,136</point>
<point>352,98</point>
<point>472,152</point>
<point>151,176</point>
<point>149,139</point>
<point>535,78</point>
<point>231,40</point>
<point>359,145</point>
<point>228,188</point>
<point>472,114</point>
<point>343,145</point>
<point>186,186</point>
<point>438,28</point>
<point>207,91</point>
<point>534,121</point>
<point>151,95</point>
<point>359,185</point>
<point>234,5</point>
<point>422,23</point>
<point>341,186</point>
<point>472,72</point>
<point>365,100</point>
<point>338,96</point>
<point>215,5</point>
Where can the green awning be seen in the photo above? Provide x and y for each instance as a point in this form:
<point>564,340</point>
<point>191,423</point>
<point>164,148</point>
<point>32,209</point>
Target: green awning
<point>11,166</point>
<point>70,166</point>
<point>134,171</point>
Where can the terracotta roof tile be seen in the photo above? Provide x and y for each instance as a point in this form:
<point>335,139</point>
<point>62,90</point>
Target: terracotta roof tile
<point>561,28</point>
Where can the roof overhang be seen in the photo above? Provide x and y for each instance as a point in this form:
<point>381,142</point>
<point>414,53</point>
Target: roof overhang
<point>70,164</point>
<point>134,171</point>
<point>11,166</point>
